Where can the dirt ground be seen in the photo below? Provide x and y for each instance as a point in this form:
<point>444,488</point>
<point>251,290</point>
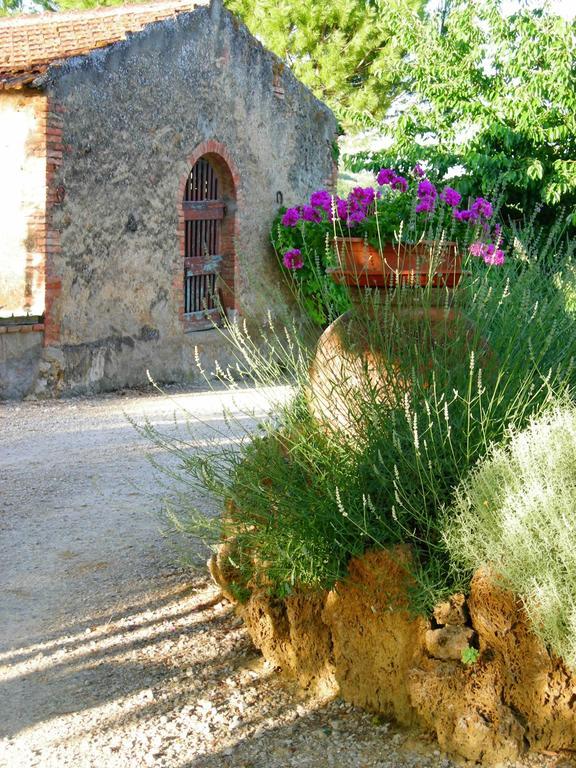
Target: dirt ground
<point>112,654</point>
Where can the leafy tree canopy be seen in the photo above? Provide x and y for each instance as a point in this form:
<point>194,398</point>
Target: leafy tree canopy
<point>16,6</point>
<point>343,49</point>
<point>494,94</point>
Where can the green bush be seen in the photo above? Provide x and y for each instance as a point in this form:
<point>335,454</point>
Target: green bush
<point>305,496</point>
<point>517,514</point>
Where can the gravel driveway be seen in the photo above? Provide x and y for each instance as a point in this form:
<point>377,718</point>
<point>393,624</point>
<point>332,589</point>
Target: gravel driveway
<point>113,656</point>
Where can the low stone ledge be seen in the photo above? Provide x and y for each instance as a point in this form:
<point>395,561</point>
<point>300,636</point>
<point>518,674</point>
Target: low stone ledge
<point>360,641</point>
<point>22,328</point>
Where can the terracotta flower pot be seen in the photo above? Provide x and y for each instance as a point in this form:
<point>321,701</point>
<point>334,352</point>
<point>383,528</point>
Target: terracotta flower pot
<point>425,263</point>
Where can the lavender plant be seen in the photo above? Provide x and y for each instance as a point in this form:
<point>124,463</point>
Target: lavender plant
<point>303,495</point>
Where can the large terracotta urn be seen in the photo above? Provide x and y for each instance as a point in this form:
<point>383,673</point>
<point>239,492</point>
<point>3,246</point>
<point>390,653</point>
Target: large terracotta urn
<point>403,298</point>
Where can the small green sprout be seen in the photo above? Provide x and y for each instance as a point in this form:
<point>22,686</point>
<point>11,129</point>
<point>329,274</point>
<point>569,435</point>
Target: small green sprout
<point>469,655</point>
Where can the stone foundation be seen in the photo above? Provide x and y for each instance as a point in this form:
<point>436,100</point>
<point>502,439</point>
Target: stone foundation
<point>360,641</point>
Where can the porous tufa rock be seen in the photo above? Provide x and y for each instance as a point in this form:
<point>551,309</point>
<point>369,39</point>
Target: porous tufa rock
<point>266,619</point>
<point>485,738</point>
<point>221,572</point>
<point>312,642</point>
<point>538,686</point>
<point>448,642</point>
<point>452,611</point>
<point>292,635</point>
<point>462,706</point>
<point>361,641</point>
<point>376,640</point>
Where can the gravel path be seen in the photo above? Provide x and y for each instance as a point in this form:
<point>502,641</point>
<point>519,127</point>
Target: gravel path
<point>112,656</point>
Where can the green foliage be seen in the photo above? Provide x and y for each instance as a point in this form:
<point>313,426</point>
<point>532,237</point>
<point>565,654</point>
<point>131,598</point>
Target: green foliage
<point>8,7</point>
<point>494,94</point>
<point>447,378</point>
<point>342,50</point>
<point>320,298</point>
<point>517,514</point>
<point>70,5</point>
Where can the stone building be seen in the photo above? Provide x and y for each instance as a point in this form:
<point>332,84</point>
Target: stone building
<point>144,151</point>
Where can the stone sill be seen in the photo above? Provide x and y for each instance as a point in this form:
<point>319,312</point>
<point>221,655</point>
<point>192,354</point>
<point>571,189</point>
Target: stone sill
<point>22,328</point>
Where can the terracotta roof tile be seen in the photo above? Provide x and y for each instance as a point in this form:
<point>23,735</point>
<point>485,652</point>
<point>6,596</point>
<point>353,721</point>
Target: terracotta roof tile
<point>30,43</point>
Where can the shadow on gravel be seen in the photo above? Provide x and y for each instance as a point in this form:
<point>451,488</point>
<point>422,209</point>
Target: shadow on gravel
<point>113,661</point>
<point>71,636</point>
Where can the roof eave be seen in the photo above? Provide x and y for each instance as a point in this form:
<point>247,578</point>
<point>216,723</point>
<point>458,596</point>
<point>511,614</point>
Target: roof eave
<point>22,79</point>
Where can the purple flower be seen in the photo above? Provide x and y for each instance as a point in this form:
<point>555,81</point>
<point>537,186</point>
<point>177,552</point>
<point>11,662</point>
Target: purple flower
<point>426,189</point>
<point>466,215</point>
<point>426,205</point>
<point>363,196</point>
<point>356,217</point>
<point>495,259</point>
<point>418,171</point>
<point>482,207</point>
<point>291,217</point>
<point>321,199</point>
<point>385,176</point>
<point>451,197</point>
<point>311,214</point>
<point>399,182</point>
<point>342,208</point>
<point>293,259</point>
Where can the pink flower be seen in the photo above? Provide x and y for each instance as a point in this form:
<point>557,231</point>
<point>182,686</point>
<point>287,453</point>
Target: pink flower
<point>342,208</point>
<point>495,259</point>
<point>356,217</point>
<point>477,249</point>
<point>426,189</point>
<point>363,196</point>
<point>399,182</point>
<point>484,250</point>
<point>468,215</point>
<point>293,259</point>
<point>418,171</point>
<point>426,205</point>
<point>482,207</point>
<point>321,199</point>
<point>291,217</point>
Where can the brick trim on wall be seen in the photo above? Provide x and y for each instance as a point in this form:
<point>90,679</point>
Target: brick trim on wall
<point>228,174</point>
<point>54,197</point>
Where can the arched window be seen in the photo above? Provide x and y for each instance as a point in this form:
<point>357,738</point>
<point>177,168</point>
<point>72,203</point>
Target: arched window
<point>204,212</point>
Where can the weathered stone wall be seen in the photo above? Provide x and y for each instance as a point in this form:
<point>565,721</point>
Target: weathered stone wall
<point>132,116</point>
<point>22,202</point>
<point>20,359</point>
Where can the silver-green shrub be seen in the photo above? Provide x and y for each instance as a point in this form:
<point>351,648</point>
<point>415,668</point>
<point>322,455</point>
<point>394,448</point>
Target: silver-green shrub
<point>516,513</point>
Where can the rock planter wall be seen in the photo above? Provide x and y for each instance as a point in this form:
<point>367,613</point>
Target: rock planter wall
<point>360,641</point>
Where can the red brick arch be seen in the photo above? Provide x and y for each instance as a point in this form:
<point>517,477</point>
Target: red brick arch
<point>224,164</point>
